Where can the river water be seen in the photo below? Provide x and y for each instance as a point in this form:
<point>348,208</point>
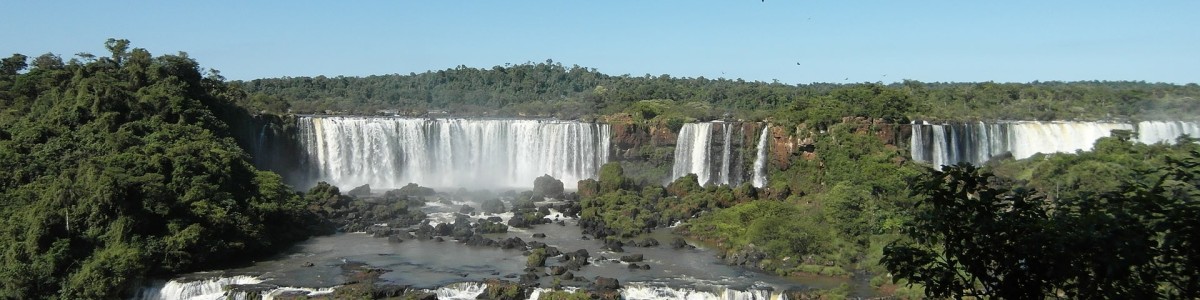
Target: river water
<point>452,269</point>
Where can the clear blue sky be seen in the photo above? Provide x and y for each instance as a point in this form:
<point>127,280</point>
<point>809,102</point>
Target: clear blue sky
<point>1018,41</point>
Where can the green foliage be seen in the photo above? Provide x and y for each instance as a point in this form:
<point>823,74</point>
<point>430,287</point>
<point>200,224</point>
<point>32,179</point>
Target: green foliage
<point>536,259</point>
<point>552,90</point>
<point>123,167</point>
<point>974,236</point>
<point>612,178</point>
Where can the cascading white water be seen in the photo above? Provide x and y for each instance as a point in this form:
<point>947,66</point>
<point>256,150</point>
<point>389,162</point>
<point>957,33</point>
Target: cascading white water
<point>976,143</point>
<point>713,160</point>
<point>760,160</point>
<point>217,288</point>
<point>1152,132</point>
<point>210,288</point>
<point>691,151</point>
<point>392,152</point>
<point>461,290</point>
<point>649,292</point>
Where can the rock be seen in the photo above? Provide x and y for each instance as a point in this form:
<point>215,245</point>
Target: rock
<point>479,241</point>
<point>539,235</point>
<point>424,296</point>
<point>547,186</point>
<point>535,245</point>
<point>634,267</point>
<point>678,243</point>
<point>495,219</point>
<point>647,242</point>
<point>510,276</point>
<point>307,264</point>
<point>536,259</point>
<point>567,276</point>
<point>362,190</point>
<point>438,239</point>
<point>466,209</point>
<point>394,239</point>
<point>606,285</point>
<point>388,291</point>
<point>492,206</point>
<point>512,242</point>
<point>632,258</point>
<point>646,267</point>
<point>581,255</point>
<point>614,245</point>
<point>552,251</point>
<point>443,229</point>
<point>529,279</point>
<point>557,270</point>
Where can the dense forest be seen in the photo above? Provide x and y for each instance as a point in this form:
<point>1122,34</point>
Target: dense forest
<point>551,89</point>
<point>121,167</point>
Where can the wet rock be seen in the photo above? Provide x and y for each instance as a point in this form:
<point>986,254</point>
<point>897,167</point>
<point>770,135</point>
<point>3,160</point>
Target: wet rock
<point>576,264</point>
<point>479,241</point>
<point>567,276</point>
<point>646,267</point>
<point>557,270</point>
<point>578,255</point>
<point>438,239</point>
<point>443,229</point>
<point>632,258</point>
<point>362,190</point>
<point>552,252</point>
<point>748,256</point>
<point>495,219</point>
<point>466,209</point>
<point>678,243</point>
<point>634,267</point>
<point>307,264</point>
<point>395,239</point>
<point>536,245</point>
<point>606,285</point>
<point>547,186</point>
<point>423,296</point>
<point>539,235</point>
<point>511,243</point>
<point>614,245</point>
<point>529,279</point>
<point>647,242</point>
<point>492,206</point>
<point>388,290</point>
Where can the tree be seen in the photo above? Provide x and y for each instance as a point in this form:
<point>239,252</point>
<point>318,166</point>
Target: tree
<point>971,237</point>
<point>13,64</point>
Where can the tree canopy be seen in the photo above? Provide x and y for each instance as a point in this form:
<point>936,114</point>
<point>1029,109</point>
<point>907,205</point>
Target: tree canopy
<point>122,166</point>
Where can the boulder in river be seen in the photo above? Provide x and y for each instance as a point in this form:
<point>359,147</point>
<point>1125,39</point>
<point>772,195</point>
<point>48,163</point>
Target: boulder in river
<point>606,285</point>
<point>632,258</point>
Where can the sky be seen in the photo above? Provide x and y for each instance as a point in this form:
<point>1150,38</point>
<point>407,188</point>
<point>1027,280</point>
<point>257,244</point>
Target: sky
<point>794,42</point>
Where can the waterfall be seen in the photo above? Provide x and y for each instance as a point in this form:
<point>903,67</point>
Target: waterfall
<point>637,291</point>
<point>760,161</point>
<point>713,160</point>
<point>392,152</point>
<point>976,143</point>
<point>461,290</point>
<point>1153,132</point>
<point>218,288</point>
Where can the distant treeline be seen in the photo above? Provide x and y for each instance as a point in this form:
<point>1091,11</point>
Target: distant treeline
<point>551,89</point>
